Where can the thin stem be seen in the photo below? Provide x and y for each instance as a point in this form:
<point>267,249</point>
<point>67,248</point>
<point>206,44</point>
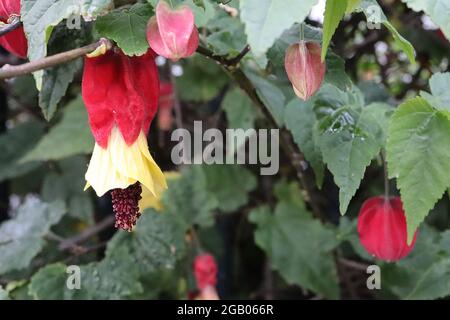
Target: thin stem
<point>13,71</point>
<point>302,31</point>
<point>386,177</point>
<point>8,27</point>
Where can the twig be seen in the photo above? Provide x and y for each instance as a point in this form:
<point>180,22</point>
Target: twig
<point>8,27</point>
<point>353,264</point>
<point>223,60</point>
<point>85,235</point>
<point>13,71</point>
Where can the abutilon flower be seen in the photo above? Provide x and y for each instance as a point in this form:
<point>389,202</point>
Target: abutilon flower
<point>15,41</point>
<point>166,102</point>
<point>205,271</point>
<point>382,228</point>
<point>304,68</point>
<point>171,33</point>
<point>121,96</point>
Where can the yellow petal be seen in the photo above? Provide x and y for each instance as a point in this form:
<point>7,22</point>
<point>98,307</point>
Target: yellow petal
<point>121,165</point>
<point>149,200</point>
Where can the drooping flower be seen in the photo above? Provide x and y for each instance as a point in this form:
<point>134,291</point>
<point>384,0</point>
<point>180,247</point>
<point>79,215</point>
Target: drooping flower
<point>121,96</point>
<point>304,68</point>
<point>172,33</point>
<point>382,228</point>
<point>15,41</point>
<point>205,271</point>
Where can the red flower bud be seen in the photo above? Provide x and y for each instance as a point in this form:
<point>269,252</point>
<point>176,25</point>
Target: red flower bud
<point>14,41</point>
<point>122,91</point>
<point>205,270</point>
<point>382,228</point>
<point>304,68</point>
<point>172,32</point>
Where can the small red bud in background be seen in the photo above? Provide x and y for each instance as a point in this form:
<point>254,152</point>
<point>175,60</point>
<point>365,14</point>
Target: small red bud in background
<point>205,271</point>
<point>382,228</point>
<point>15,41</point>
<point>171,33</point>
<point>304,68</point>
<point>166,102</point>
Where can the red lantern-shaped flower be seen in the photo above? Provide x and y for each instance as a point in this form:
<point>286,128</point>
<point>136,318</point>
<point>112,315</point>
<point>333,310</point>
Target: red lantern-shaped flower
<point>121,96</point>
<point>172,32</point>
<point>14,41</point>
<point>205,271</point>
<point>304,68</point>
<point>382,228</point>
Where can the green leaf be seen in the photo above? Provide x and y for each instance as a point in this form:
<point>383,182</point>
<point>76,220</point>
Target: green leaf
<point>50,283</point>
<point>115,277</point>
<point>229,184</point>
<point>440,93</point>
<point>67,183</point>
<point>298,246</point>
<point>349,140</point>
<point>56,80</point>
<point>227,36</point>
<point>417,158</point>
<point>202,80</point>
<point>438,10</point>
<point>424,274</point>
<point>300,119</point>
<point>335,72</point>
<point>71,136</point>
<point>240,110</point>
<point>265,20</point>
<point>352,5</point>
<point>21,238</point>
<point>93,8</point>
<point>270,94</point>
<point>374,14</point>
<point>334,12</point>
<point>199,3</point>
<point>40,17</point>
<point>156,243</point>
<point>127,27</point>
<point>15,143</point>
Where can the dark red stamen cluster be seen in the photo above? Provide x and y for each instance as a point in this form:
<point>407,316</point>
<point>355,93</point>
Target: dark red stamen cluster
<point>126,206</point>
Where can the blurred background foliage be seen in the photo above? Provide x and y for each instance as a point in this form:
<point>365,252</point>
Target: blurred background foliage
<point>275,237</point>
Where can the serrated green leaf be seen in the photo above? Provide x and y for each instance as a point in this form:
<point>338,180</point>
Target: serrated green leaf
<point>374,14</point>
<point>334,12</point>
<point>335,72</point>
<point>21,238</point>
<point>49,283</point>
<point>417,158</point>
<point>40,17</point>
<point>348,141</point>
<point>298,247</point>
<point>440,93</point>
<point>93,8</point>
<point>71,136</point>
<point>155,244</point>
<point>15,143</point>
<point>127,27</point>
<point>300,119</point>
<point>239,109</point>
<point>438,10</point>
<point>265,20</point>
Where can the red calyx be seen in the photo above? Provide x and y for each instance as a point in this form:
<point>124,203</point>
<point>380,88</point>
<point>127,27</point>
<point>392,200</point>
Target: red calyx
<point>120,90</point>
<point>382,228</point>
<point>15,41</point>
<point>166,102</point>
<point>205,271</point>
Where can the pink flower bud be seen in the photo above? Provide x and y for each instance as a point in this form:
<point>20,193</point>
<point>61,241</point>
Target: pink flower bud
<point>205,271</point>
<point>172,32</point>
<point>304,68</point>
<point>382,229</point>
